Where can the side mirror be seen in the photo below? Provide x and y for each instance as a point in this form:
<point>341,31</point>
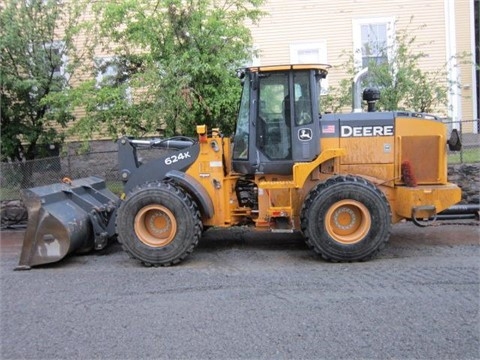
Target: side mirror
<point>241,75</point>
<point>454,143</point>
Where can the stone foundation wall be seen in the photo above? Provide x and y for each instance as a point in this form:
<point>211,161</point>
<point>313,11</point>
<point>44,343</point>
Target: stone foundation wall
<point>467,176</point>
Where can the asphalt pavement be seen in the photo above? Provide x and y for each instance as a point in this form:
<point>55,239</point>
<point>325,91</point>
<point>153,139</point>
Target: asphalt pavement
<point>242,295</point>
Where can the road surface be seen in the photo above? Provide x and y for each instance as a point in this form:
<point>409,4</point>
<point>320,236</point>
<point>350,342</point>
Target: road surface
<point>244,296</point>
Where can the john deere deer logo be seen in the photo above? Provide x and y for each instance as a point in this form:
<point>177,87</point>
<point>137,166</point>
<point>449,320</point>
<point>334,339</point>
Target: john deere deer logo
<point>305,134</point>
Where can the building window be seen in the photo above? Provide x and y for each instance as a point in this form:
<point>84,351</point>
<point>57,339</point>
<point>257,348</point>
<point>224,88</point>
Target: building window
<point>373,40</point>
<point>49,62</point>
<point>43,3</point>
<point>107,72</point>
<point>56,60</point>
<point>255,60</point>
<point>112,73</point>
<point>310,53</point>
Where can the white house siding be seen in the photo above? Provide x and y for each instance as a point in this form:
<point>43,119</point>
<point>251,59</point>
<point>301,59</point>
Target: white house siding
<point>464,36</point>
<point>331,23</point>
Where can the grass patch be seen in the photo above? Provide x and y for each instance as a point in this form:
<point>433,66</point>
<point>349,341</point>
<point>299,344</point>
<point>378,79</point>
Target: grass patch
<point>465,156</point>
<point>116,187</point>
<point>9,194</point>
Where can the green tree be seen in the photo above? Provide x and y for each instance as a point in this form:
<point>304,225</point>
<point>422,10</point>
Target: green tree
<point>174,66</point>
<point>403,84</point>
<point>339,97</point>
<point>39,54</point>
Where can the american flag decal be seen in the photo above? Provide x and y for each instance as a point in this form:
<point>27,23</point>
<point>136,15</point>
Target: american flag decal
<point>328,129</point>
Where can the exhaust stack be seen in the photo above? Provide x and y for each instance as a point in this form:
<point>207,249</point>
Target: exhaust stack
<point>357,90</point>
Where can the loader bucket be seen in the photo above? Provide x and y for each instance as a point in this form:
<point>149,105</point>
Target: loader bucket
<point>65,218</point>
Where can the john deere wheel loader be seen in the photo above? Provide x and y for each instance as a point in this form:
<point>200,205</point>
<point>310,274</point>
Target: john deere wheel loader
<point>341,180</point>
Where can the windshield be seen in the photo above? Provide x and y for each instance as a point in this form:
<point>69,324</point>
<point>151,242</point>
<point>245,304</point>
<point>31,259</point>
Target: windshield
<point>240,141</point>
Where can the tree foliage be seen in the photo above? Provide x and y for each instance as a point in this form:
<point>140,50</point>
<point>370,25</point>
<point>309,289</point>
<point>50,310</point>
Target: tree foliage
<point>174,63</point>
<point>39,54</point>
<point>403,84</point>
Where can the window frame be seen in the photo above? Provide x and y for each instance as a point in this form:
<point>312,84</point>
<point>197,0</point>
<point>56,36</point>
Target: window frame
<point>321,48</point>
<point>389,22</point>
<point>59,45</point>
<point>100,77</point>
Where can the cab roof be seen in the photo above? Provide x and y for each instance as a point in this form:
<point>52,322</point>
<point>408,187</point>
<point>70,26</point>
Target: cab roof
<point>267,68</point>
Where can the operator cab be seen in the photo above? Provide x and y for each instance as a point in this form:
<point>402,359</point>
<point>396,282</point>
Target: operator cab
<point>277,123</point>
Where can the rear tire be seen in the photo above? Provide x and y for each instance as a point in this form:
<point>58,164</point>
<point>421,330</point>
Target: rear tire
<point>158,224</point>
<point>346,218</point>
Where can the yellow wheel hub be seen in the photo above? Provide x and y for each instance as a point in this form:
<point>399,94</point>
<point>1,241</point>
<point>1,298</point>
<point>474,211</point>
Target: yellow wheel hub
<point>348,221</point>
<point>155,225</point>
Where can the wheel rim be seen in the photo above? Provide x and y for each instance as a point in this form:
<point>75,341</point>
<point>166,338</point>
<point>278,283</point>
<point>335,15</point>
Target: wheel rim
<point>348,221</point>
<point>155,225</point>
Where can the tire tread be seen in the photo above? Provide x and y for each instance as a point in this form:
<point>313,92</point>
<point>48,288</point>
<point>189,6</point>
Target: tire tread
<point>315,193</point>
<point>192,208</point>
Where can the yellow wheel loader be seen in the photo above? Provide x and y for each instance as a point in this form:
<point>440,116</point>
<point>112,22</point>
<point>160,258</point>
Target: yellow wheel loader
<point>341,180</point>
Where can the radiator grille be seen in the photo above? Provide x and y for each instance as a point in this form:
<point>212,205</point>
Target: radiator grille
<point>423,153</point>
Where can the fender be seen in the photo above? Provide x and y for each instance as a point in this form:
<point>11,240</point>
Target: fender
<point>301,171</point>
<point>194,188</point>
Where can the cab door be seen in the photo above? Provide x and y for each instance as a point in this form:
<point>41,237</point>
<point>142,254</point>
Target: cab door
<point>304,117</point>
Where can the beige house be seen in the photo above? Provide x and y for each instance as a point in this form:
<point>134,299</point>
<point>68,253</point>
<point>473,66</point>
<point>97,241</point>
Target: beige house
<point>306,31</point>
<point>320,31</point>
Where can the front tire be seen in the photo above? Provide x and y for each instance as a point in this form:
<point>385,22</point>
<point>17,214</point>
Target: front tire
<point>158,224</point>
<point>346,218</point>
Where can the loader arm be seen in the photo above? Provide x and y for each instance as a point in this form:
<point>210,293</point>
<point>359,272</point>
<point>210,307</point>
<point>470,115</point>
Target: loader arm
<point>133,173</point>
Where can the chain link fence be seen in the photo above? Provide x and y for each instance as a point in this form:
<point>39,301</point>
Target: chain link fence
<point>46,171</point>
<point>469,131</point>
<point>104,164</point>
